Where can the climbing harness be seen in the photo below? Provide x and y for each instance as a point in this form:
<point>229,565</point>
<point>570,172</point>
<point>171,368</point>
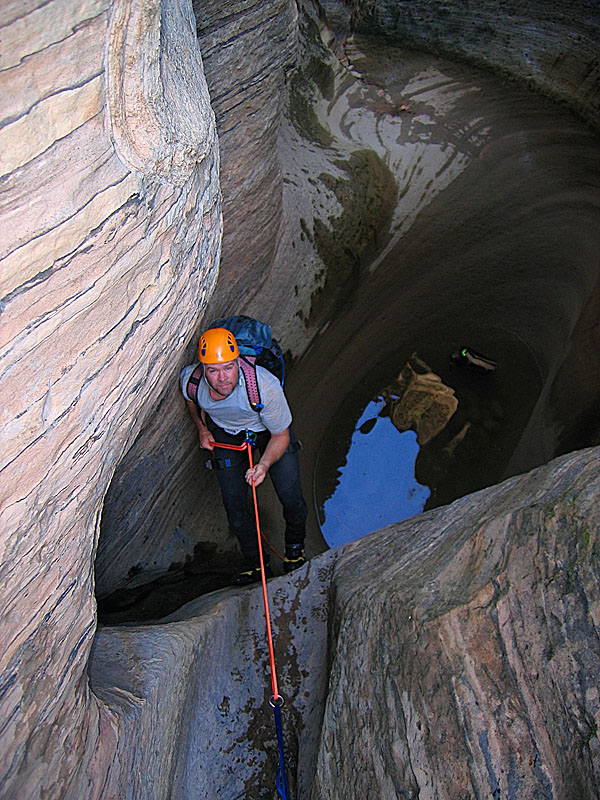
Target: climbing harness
<point>276,702</point>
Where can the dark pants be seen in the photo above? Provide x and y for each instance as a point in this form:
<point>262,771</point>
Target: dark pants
<point>285,475</point>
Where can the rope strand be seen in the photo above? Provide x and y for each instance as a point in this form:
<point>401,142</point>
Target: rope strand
<point>248,446</point>
<point>264,585</point>
<point>277,700</point>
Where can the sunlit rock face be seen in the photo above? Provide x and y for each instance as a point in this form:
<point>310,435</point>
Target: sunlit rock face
<point>110,234</point>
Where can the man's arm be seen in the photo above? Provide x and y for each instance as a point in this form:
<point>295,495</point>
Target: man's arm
<point>205,436</point>
<point>278,444</point>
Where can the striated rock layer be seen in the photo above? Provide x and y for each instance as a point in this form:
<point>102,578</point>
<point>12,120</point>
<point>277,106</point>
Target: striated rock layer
<point>248,49</point>
<point>422,206</point>
<point>109,245</point>
<point>110,233</point>
<point>160,508</point>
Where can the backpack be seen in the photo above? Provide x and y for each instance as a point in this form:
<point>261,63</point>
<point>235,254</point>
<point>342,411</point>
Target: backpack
<point>257,348</point>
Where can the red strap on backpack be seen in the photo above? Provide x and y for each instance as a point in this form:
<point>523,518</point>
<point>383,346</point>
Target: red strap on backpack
<point>248,367</point>
<point>192,384</point>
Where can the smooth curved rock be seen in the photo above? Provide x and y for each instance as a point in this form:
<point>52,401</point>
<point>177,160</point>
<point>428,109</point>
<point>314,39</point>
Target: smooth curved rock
<point>108,256</point>
<point>470,666</point>
<point>462,659</point>
<point>161,124</point>
<point>368,186</point>
<point>551,46</point>
<point>98,261</point>
<point>191,693</point>
<point>160,508</point>
<point>248,51</point>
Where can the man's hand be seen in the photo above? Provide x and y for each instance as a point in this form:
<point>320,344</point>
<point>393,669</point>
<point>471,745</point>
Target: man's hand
<point>207,440</point>
<point>257,474</point>
<point>275,448</point>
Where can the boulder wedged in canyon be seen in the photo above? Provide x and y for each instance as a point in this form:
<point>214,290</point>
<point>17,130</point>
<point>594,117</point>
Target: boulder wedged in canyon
<point>466,647</point>
<point>419,400</point>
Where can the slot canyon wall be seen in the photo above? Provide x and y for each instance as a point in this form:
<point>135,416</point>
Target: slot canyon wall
<point>303,266</point>
<point>111,226</point>
<point>149,181</point>
<point>544,44</point>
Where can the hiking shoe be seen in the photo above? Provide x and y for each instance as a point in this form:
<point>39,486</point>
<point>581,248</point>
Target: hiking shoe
<point>251,575</point>
<point>294,557</point>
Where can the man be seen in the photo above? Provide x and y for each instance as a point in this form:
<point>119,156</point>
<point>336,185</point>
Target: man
<point>222,413</point>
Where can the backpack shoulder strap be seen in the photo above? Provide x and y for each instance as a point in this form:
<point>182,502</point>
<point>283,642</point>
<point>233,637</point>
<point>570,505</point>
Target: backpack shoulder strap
<point>192,384</point>
<point>248,367</point>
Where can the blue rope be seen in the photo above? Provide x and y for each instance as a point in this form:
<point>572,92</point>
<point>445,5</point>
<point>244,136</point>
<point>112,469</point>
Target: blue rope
<point>280,776</point>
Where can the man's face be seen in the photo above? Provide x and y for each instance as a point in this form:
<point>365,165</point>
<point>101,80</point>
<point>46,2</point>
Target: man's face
<point>222,378</point>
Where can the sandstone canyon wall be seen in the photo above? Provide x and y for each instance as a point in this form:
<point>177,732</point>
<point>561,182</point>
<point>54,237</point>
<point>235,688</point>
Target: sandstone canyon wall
<point>338,193</point>
<point>551,46</point>
<point>553,49</point>
<point>478,648</point>
<point>111,236</point>
<point>247,51</point>
<point>111,224</point>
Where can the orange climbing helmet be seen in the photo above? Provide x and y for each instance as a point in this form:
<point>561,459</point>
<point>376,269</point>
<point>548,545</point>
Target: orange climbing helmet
<point>217,345</point>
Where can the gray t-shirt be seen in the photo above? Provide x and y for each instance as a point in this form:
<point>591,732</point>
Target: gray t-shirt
<point>234,413</point>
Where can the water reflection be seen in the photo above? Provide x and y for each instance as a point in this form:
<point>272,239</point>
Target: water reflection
<point>428,437</point>
<point>493,243</point>
<point>377,484</point>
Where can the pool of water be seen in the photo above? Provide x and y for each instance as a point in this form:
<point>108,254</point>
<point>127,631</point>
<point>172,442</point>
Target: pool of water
<point>369,473</point>
<point>376,485</point>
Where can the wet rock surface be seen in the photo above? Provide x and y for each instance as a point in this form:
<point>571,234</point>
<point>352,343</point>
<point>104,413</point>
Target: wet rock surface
<point>423,205</point>
<point>551,47</point>
<point>418,400</point>
<point>191,693</point>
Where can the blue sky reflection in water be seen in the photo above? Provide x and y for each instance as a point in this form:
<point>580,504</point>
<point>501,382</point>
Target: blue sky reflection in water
<point>377,484</point>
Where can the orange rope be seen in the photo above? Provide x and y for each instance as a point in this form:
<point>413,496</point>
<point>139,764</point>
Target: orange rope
<point>247,446</point>
<point>264,586</point>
